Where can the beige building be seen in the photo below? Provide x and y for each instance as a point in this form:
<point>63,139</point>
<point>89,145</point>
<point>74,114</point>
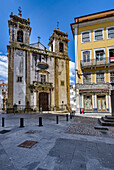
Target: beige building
<point>37,77</point>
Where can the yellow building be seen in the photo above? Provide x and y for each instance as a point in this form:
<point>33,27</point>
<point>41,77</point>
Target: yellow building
<point>94,57</point>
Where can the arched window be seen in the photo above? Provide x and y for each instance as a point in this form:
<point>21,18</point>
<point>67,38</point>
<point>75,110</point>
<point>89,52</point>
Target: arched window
<point>20,36</point>
<point>61,47</point>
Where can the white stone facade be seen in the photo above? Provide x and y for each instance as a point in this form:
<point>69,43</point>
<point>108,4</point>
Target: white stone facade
<point>37,77</point>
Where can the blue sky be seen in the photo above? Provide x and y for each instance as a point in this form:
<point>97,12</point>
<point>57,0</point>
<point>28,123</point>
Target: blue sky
<point>44,15</point>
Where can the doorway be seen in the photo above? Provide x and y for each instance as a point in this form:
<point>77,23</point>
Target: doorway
<point>43,101</point>
<point>101,103</point>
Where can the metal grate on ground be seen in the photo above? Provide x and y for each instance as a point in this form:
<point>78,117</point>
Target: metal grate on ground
<point>27,144</point>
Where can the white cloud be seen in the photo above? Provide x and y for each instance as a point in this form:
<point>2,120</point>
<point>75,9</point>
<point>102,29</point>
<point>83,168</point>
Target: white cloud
<point>3,58</point>
<point>3,66</point>
<point>72,81</point>
<point>72,72</point>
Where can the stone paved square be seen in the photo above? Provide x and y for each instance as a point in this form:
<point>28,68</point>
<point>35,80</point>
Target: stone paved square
<point>56,149</point>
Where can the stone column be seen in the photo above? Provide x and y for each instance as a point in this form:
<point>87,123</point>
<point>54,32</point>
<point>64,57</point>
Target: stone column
<point>56,83</point>
<point>10,76</point>
<point>27,79</point>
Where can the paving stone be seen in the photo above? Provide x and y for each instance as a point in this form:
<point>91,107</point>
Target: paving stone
<point>56,150</point>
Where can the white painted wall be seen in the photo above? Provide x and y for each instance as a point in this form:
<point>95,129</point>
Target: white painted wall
<point>19,88</point>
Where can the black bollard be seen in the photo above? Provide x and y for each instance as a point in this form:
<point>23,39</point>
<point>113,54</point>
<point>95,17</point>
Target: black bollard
<point>70,115</point>
<point>66,117</point>
<point>40,121</point>
<point>57,120</point>
<point>2,121</point>
<point>21,122</point>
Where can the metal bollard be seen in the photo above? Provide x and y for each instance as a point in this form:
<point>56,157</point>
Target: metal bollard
<point>66,117</point>
<point>3,121</point>
<point>21,122</point>
<point>70,115</point>
<point>57,119</point>
<point>40,121</point>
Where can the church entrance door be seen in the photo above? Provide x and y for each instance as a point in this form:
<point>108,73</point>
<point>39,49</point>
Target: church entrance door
<point>43,101</point>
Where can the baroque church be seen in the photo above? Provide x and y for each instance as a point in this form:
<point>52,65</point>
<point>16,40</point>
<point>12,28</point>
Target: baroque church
<point>37,77</point>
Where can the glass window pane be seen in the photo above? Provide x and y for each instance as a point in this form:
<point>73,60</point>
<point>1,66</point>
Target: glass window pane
<point>111,35</point>
<point>85,35</point>
<point>99,32</point>
<point>111,30</point>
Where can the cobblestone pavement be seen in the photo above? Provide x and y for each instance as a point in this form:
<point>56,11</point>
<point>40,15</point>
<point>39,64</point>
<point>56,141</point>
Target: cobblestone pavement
<point>53,148</point>
<point>85,126</point>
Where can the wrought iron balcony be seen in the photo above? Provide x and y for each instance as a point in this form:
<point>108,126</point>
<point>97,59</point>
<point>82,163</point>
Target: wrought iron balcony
<point>95,62</point>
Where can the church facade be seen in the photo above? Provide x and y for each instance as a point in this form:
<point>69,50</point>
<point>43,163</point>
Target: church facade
<point>37,77</point>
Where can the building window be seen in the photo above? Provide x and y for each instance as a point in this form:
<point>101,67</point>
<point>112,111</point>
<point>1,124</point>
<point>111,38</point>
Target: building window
<point>52,47</point>
<point>111,55</point>
<point>86,56</point>
<point>62,83</point>
<point>86,37</point>
<point>87,78</point>
<point>111,32</point>
<point>19,102</point>
<point>39,58</point>
<point>98,35</point>
<point>61,47</point>
<point>112,77</point>
<point>19,79</point>
<point>12,34</point>
<point>100,77</point>
<point>20,36</point>
<point>99,55</point>
<point>43,78</point>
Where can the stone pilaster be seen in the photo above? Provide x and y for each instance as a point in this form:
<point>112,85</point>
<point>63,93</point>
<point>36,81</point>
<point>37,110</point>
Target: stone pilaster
<point>27,79</point>
<point>10,76</point>
<point>56,83</point>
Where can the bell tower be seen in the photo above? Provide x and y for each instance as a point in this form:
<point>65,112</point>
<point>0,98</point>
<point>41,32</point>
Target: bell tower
<point>18,59</point>
<point>19,29</point>
<point>58,42</point>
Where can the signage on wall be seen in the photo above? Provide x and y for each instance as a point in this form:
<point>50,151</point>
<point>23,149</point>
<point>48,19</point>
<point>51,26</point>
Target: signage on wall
<point>112,59</point>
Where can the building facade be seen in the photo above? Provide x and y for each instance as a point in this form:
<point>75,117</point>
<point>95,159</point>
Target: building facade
<point>3,95</point>
<point>94,57</point>
<point>37,77</point>
<point>72,98</point>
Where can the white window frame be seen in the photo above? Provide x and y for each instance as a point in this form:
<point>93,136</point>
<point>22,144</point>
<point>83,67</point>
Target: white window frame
<point>98,30</point>
<point>89,72</point>
<point>101,71</point>
<point>84,51</point>
<point>98,49</point>
<point>89,36</point>
<point>107,31</point>
<point>109,75</point>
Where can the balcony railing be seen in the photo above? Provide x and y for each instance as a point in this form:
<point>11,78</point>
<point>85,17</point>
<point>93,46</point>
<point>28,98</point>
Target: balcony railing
<point>95,62</point>
<point>42,84</point>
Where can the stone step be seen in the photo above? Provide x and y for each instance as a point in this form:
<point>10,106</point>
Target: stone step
<point>109,117</point>
<point>100,128</point>
<point>105,123</point>
<point>107,120</point>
